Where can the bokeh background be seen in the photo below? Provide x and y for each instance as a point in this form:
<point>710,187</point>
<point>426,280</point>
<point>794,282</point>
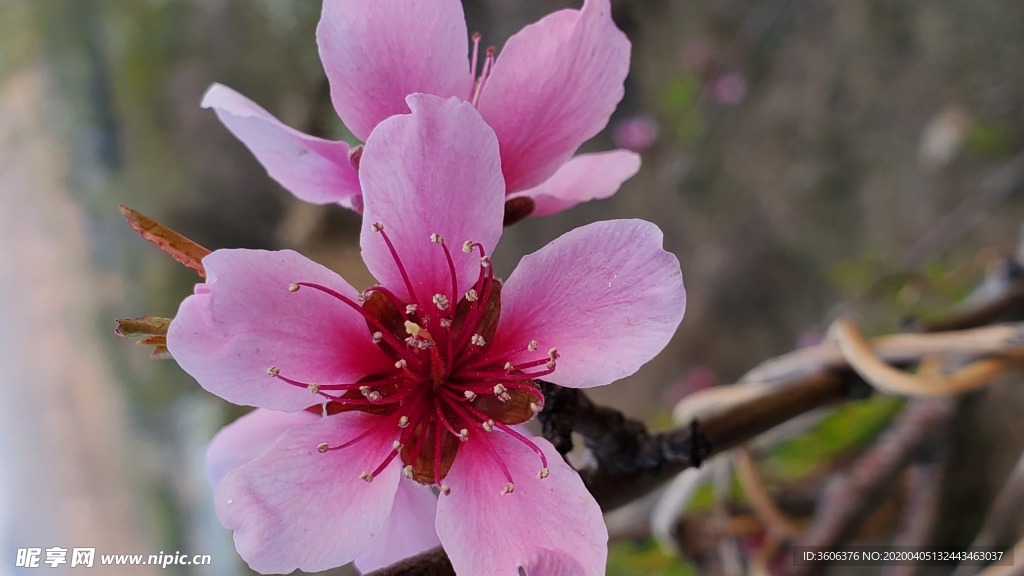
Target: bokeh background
<point>803,158</point>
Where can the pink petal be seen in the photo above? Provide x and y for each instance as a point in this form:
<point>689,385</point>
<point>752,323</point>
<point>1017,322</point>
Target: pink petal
<point>378,52</point>
<point>584,177</point>
<point>247,438</point>
<point>436,170</point>
<point>294,507</point>
<point>314,169</point>
<point>244,320</point>
<point>408,531</point>
<point>550,527</point>
<point>606,295</point>
<point>553,87</point>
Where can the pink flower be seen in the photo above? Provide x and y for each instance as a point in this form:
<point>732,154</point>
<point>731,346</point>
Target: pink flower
<point>553,87</point>
<point>423,379</point>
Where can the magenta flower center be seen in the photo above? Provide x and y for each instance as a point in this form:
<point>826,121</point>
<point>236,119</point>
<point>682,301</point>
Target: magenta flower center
<point>446,385</point>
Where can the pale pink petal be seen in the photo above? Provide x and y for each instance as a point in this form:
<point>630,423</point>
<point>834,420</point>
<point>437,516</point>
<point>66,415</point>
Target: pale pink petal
<point>377,52</point>
<point>245,320</point>
<point>584,177</point>
<point>314,169</point>
<point>247,438</point>
<point>606,295</point>
<point>408,531</point>
<point>294,507</point>
<point>436,170</point>
<point>550,527</point>
<point>553,87</point>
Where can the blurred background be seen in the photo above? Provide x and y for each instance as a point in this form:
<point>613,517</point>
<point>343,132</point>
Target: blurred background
<point>803,158</point>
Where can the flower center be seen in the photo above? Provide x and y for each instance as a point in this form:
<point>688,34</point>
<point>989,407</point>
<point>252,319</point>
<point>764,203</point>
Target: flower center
<point>446,385</point>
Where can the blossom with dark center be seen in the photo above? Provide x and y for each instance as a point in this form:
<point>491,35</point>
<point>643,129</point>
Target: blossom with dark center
<point>550,89</point>
<point>422,380</point>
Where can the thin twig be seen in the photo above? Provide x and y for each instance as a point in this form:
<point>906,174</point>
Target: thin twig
<point>850,498</point>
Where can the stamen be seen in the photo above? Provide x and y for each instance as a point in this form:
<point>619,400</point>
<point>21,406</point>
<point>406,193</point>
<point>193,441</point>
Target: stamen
<point>322,447</point>
<point>544,473</point>
<point>441,301</point>
<point>293,287</point>
<point>273,371</point>
<point>371,395</point>
<point>365,475</point>
<point>472,296</point>
<point>401,363</point>
<point>377,337</point>
<point>436,238</point>
<point>446,489</point>
<point>446,323</point>
<point>411,309</point>
<point>472,66</point>
<point>379,227</point>
<point>470,395</point>
<point>451,270</point>
<point>508,489</point>
<point>477,340</point>
<point>391,339</point>
<point>314,389</point>
<point>488,425</point>
<point>464,435</point>
<point>532,346</point>
<point>403,422</point>
<point>407,471</point>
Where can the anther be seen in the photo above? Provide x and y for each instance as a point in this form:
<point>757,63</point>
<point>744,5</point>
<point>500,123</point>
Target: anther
<point>467,247</point>
<point>508,489</point>
<point>441,301</point>
<point>477,340</point>
<point>322,447</point>
<point>293,287</point>
<point>536,408</point>
<point>463,434</point>
<point>401,363</point>
<point>553,353</point>
<point>361,297</point>
<point>446,323</point>
<point>273,371</point>
<point>371,395</point>
<point>508,366</point>
<point>407,471</point>
<point>377,226</point>
<point>411,308</point>
<point>488,426</point>
<point>377,336</point>
<point>314,389</point>
<point>397,445</point>
<point>544,472</point>
<point>470,395</point>
<point>472,295</point>
<point>365,475</point>
<point>446,489</point>
<point>436,238</point>
<point>532,345</point>
<point>403,422</point>
<point>501,393</point>
<point>485,261</point>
